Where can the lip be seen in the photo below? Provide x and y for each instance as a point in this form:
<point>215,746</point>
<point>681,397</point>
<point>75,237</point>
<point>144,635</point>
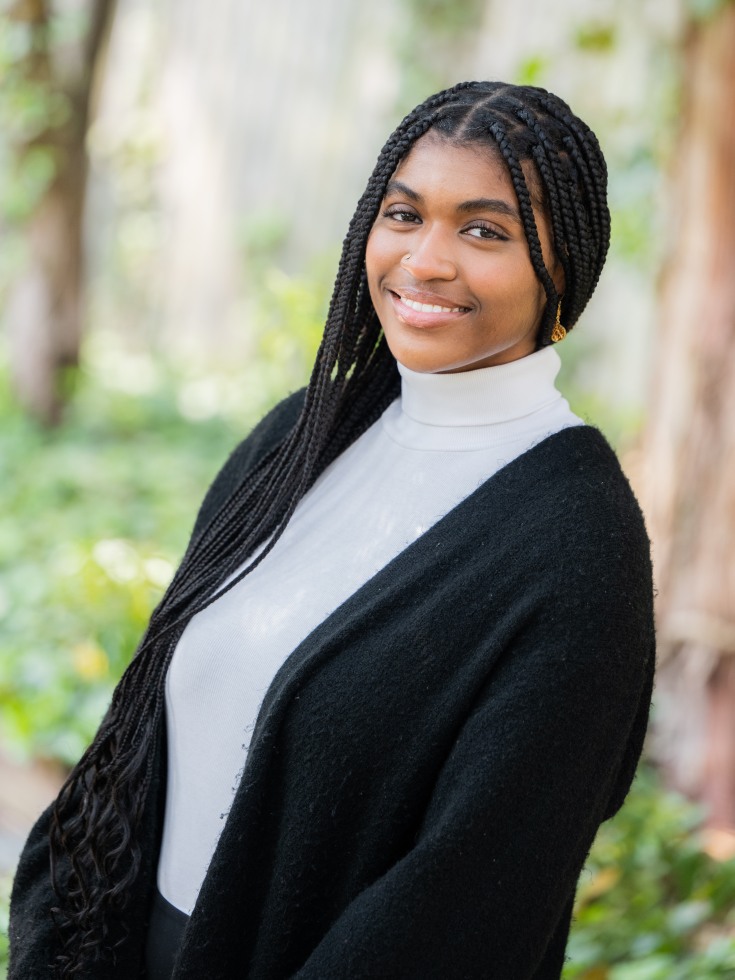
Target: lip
<point>419,318</point>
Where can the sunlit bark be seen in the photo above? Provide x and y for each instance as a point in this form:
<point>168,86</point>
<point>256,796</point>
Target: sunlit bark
<point>690,451</point>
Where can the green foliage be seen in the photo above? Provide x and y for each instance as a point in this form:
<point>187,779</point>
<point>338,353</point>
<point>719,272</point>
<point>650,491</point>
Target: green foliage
<point>100,512</point>
<point>28,109</point>
<point>33,174</point>
<point>277,298</point>
<point>651,904</point>
<point>102,508</point>
<point>292,300</point>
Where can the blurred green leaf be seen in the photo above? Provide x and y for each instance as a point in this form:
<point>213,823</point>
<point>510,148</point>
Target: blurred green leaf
<point>446,17</point>
<point>532,70</point>
<point>597,37</point>
<point>651,903</point>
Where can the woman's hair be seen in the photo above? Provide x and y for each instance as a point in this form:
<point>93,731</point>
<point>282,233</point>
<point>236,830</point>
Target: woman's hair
<point>553,158</point>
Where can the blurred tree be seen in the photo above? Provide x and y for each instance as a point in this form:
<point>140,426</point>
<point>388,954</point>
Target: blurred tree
<point>49,73</point>
<point>690,451</point>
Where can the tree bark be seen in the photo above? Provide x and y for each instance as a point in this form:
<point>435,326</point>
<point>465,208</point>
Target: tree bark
<point>44,312</point>
<point>690,444</point>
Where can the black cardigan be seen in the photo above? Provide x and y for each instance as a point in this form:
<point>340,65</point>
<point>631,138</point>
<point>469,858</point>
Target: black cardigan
<point>430,765</point>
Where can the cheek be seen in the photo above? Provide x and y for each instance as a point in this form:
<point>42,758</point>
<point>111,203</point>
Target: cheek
<point>372,261</point>
<point>505,283</point>
<point>379,260</point>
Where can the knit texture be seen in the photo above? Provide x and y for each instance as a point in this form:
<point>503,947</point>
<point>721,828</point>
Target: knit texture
<point>431,764</point>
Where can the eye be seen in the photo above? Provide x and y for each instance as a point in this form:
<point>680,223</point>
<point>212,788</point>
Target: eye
<point>401,214</point>
<point>486,232</point>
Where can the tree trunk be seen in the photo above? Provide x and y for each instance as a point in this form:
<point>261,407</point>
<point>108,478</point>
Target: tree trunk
<point>44,312</point>
<point>690,450</point>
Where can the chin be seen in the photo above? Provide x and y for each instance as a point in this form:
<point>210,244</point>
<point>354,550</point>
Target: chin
<point>419,358</point>
<point>421,363</point>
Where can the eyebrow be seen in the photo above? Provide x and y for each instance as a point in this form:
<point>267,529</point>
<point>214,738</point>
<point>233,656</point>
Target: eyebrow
<point>494,204</point>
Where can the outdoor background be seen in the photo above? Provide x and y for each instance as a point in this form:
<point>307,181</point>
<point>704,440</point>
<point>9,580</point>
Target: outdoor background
<point>176,177</point>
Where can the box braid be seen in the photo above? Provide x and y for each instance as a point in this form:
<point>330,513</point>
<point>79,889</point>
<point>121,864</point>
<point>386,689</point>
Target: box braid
<point>95,857</point>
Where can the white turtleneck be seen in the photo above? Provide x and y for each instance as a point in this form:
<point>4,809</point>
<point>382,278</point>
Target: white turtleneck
<point>431,448</point>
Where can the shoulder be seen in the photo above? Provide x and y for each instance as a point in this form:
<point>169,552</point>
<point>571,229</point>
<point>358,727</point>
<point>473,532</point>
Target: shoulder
<point>576,453</point>
<point>265,437</point>
<point>590,489</point>
<point>574,478</point>
<point>575,518</point>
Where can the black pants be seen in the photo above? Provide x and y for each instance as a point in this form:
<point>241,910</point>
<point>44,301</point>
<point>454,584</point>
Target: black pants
<point>164,938</point>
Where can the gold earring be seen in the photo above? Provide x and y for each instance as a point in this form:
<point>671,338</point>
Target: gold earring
<point>558,333</point>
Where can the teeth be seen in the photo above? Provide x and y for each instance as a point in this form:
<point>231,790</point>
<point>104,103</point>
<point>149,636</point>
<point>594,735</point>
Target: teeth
<point>428,308</point>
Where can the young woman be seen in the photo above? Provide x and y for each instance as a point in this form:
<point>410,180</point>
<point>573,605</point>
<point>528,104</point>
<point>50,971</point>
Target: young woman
<point>404,670</point>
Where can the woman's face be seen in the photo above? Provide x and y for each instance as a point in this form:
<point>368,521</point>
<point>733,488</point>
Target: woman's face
<point>448,265</point>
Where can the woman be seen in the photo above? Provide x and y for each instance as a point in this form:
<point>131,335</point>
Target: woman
<point>437,581</point>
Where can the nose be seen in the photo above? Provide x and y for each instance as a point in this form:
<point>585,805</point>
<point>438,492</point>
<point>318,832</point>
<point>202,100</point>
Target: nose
<point>430,256</point>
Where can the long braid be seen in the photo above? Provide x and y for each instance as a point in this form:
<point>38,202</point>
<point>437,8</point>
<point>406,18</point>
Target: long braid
<point>529,221</point>
<point>584,149</point>
<point>564,227</point>
<point>95,853</point>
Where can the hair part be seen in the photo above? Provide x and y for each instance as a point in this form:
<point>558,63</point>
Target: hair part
<point>95,853</point>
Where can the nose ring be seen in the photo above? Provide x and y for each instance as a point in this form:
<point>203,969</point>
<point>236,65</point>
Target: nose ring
<point>407,256</point>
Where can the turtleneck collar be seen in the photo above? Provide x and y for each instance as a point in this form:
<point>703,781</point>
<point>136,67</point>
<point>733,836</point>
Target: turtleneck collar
<point>484,396</point>
<point>481,409</point>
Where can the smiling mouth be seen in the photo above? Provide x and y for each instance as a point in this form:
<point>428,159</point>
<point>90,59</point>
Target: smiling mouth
<point>429,307</point>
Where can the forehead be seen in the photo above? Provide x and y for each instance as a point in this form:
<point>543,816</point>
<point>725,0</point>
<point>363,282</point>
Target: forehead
<point>478,162</point>
<point>465,171</point>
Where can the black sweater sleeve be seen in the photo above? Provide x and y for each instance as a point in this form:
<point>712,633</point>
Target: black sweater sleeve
<point>31,929</point>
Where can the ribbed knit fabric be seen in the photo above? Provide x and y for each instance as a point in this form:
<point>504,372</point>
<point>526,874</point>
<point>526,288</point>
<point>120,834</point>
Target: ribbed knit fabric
<point>434,445</point>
